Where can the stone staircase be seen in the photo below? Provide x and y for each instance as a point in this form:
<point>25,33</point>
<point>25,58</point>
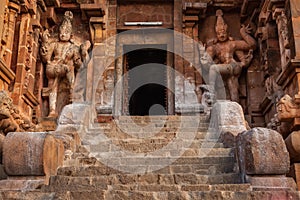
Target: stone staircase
<point>157,157</point>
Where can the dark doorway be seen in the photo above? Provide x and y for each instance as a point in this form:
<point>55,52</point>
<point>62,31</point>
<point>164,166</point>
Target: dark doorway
<point>146,72</point>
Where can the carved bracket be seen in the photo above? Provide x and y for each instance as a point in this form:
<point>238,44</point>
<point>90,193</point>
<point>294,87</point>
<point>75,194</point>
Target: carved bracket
<point>96,29</point>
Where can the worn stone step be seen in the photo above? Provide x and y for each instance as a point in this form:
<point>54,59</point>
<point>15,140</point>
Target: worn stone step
<point>15,184</point>
<point>173,118</point>
<point>141,136</point>
<point>165,161</point>
<point>151,145</point>
<point>201,151</point>
<point>203,195</point>
<point>27,195</point>
<point>71,183</point>
<point>194,187</point>
<point>103,170</point>
<point>67,183</point>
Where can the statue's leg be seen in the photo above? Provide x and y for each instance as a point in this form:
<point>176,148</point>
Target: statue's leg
<point>52,100</point>
<point>71,78</point>
<point>233,86</point>
<point>213,72</point>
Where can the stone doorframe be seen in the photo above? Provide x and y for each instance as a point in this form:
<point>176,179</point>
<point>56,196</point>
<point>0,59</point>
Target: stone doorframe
<point>151,38</point>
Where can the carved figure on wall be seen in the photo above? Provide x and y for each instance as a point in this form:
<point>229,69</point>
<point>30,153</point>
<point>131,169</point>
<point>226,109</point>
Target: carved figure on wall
<point>287,109</point>
<point>5,33</point>
<point>63,59</point>
<point>11,120</point>
<point>221,52</point>
<point>105,91</point>
<point>283,31</point>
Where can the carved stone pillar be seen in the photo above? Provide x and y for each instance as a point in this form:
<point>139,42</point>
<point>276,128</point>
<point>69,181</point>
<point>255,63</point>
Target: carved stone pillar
<point>190,51</point>
<point>9,31</point>
<point>295,15</point>
<point>25,70</point>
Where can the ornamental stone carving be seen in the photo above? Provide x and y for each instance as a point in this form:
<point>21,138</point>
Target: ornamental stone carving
<point>221,52</point>
<point>63,58</point>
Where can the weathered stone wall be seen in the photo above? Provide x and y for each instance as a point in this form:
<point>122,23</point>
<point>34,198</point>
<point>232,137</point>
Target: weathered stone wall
<point>149,12</point>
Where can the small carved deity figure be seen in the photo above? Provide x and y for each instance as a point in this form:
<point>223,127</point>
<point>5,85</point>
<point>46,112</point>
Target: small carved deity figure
<point>63,58</point>
<point>221,54</point>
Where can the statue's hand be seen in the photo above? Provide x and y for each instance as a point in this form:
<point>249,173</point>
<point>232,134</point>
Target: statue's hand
<point>45,36</point>
<point>84,48</point>
<point>44,50</point>
<point>246,29</point>
<point>84,51</point>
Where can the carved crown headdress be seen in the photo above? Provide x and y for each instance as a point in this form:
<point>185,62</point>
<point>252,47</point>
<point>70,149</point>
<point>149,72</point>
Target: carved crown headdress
<point>67,21</point>
<point>220,24</point>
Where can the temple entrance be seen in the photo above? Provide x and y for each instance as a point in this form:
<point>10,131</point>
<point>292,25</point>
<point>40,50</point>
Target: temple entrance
<point>146,79</point>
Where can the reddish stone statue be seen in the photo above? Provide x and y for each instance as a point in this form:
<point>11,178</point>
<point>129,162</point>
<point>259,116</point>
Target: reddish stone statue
<point>221,54</point>
<point>62,59</point>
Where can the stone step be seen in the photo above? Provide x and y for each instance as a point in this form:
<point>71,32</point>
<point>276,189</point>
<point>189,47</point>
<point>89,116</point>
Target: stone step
<point>102,170</point>
<point>203,195</point>
<point>195,187</point>
<point>173,118</point>
<point>15,184</point>
<point>136,130</point>
<point>156,125</point>
<point>138,192</point>
<point>27,195</point>
<point>68,183</point>
<point>165,161</point>
<point>204,150</point>
<point>117,149</point>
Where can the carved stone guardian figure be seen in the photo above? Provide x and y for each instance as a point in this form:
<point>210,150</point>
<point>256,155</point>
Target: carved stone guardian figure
<point>221,53</point>
<point>63,59</point>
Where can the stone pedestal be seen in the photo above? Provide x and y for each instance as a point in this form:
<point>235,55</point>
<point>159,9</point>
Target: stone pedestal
<point>262,151</point>
<point>275,182</point>
<point>228,116</point>
<point>32,154</point>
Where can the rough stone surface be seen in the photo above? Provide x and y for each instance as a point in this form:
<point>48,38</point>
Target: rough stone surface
<point>75,114</point>
<point>32,154</point>
<point>262,151</point>
<point>228,116</point>
<point>264,182</point>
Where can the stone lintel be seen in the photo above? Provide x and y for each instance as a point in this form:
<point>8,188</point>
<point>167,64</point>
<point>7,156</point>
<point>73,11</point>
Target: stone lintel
<point>194,8</point>
<point>6,73</point>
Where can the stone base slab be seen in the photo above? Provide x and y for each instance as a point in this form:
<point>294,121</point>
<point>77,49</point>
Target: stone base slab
<point>267,182</point>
